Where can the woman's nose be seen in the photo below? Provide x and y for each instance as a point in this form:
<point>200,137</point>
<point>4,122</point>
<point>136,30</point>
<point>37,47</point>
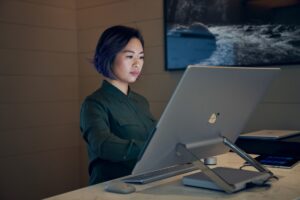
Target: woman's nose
<point>137,63</point>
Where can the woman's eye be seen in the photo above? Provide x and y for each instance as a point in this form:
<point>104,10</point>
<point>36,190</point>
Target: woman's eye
<point>129,57</point>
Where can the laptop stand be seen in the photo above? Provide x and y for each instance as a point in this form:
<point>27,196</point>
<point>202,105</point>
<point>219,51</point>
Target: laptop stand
<point>184,150</point>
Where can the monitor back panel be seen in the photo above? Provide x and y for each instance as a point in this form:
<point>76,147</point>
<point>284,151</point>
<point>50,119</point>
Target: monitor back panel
<point>208,103</point>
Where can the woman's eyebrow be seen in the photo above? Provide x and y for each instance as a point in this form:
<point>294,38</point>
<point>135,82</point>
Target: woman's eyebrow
<point>130,51</point>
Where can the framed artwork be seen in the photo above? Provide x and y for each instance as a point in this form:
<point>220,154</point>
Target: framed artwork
<point>231,32</point>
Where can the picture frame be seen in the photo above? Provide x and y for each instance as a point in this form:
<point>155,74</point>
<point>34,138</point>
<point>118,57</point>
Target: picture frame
<point>231,33</point>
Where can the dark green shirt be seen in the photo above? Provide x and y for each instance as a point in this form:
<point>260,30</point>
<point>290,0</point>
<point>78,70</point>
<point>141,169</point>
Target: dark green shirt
<point>115,127</point>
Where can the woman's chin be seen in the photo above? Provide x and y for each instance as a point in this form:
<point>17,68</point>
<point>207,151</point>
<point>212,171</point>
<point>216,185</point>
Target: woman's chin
<point>132,80</point>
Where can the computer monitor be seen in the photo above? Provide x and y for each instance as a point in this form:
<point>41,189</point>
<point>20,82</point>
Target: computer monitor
<point>209,104</point>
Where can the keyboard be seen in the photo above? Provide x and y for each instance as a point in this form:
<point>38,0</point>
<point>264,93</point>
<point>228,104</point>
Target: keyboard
<point>160,174</point>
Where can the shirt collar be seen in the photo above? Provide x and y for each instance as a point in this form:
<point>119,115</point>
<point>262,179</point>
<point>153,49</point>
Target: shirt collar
<point>108,87</point>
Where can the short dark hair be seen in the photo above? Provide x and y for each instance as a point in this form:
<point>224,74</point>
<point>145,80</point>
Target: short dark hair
<point>111,42</point>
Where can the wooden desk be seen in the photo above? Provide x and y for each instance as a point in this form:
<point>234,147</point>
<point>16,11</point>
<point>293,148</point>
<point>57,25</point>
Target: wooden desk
<point>286,188</point>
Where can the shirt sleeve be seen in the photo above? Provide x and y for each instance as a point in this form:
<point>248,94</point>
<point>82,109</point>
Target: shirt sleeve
<point>94,125</point>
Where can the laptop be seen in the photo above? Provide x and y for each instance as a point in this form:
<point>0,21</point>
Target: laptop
<point>270,134</point>
<point>208,105</point>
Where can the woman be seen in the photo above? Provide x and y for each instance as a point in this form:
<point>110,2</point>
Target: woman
<point>115,122</point>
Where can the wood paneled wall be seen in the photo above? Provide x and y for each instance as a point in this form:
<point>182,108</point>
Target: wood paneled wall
<point>39,134</point>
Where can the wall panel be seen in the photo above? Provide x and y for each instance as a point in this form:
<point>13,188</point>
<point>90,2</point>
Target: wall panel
<point>26,115</point>
<point>67,4</point>
<point>152,31</point>
<point>25,141</point>
<point>275,116</point>
<point>37,63</point>
<point>33,38</point>
<point>106,15</point>
<point>86,67</point>
<point>39,175</point>
<point>86,4</point>
<point>39,89</point>
<point>285,88</point>
<point>22,12</point>
<point>154,61</point>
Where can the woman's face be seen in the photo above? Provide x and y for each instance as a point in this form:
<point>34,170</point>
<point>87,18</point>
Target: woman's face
<point>129,62</point>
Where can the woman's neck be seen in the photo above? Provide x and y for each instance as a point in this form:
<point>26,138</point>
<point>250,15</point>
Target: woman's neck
<point>123,87</point>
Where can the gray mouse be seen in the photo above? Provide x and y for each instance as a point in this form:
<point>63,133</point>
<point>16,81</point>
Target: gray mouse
<point>119,187</point>
<point>210,161</point>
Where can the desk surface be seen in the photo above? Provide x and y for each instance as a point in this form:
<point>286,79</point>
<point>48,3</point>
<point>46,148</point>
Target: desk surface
<point>287,187</point>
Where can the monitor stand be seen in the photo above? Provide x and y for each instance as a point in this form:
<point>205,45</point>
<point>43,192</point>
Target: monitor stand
<point>221,182</point>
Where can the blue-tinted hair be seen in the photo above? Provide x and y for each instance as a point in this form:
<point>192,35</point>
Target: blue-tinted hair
<point>111,42</point>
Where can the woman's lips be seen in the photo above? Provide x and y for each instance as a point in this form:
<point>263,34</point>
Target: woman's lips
<point>135,73</point>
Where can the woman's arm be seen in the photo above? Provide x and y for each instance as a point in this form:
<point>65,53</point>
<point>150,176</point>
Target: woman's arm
<point>95,127</point>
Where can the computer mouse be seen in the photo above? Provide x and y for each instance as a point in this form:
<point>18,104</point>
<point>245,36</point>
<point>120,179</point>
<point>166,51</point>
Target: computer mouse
<point>119,187</point>
<point>210,161</point>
